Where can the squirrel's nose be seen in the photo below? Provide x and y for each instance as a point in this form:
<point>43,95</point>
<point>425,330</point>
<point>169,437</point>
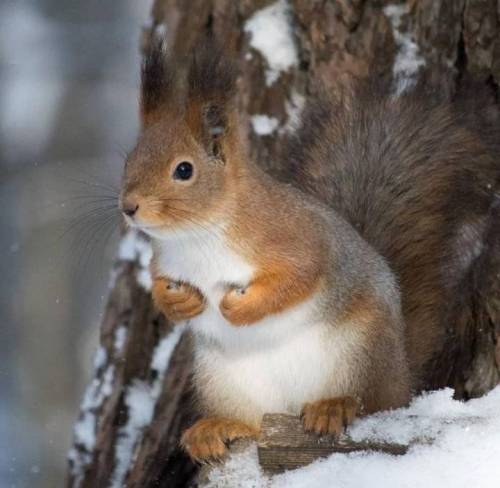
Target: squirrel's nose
<point>130,208</point>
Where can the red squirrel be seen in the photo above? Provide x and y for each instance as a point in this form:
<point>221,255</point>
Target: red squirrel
<point>287,287</point>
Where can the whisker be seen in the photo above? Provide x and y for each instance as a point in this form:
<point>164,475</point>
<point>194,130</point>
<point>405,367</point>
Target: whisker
<point>94,184</point>
<point>88,197</point>
<point>94,237</point>
<point>79,219</point>
<point>122,151</point>
<point>84,228</point>
<point>113,227</point>
<point>89,205</point>
<point>82,231</point>
<point>97,204</point>
<point>85,232</point>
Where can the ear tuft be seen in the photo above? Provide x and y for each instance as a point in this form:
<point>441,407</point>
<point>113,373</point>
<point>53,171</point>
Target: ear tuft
<point>157,75</point>
<point>212,76</point>
<point>211,92</point>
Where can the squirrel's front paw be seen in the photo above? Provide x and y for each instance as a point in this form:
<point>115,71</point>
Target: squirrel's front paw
<point>178,301</point>
<point>207,439</point>
<point>330,416</point>
<point>241,306</point>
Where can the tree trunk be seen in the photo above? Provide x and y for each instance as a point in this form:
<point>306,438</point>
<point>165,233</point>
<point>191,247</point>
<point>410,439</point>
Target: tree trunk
<point>139,400</point>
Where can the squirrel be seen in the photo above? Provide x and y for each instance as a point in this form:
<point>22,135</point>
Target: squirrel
<point>299,294</point>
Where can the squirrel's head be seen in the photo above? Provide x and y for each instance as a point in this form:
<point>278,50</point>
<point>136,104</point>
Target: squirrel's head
<point>188,155</point>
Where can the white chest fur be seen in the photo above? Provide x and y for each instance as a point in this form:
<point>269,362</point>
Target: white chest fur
<point>273,366</point>
<point>301,361</point>
<point>203,259</point>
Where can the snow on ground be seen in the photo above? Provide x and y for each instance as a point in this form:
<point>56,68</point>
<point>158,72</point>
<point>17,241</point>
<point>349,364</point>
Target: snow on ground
<point>271,34</point>
<point>465,451</point>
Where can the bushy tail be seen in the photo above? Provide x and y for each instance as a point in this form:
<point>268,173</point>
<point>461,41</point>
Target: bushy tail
<point>418,174</point>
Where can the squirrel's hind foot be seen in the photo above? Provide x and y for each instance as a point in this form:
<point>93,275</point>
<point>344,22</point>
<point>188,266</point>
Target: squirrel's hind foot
<point>330,416</point>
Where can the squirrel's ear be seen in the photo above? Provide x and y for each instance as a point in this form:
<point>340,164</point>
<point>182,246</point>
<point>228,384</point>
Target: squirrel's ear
<point>211,96</point>
<point>157,77</point>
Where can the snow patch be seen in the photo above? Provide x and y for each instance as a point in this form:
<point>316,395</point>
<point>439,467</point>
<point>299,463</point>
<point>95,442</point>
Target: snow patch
<point>408,61</point>
<point>294,107</point>
<point>161,30</point>
<point>120,339</point>
<point>135,247</point>
<point>84,431</point>
<point>140,404</point>
<point>140,399</point>
<point>271,34</point>
<point>94,396</point>
<point>464,451</point>
<point>100,358</point>
<point>164,350</point>
<point>239,470</point>
<point>263,125</point>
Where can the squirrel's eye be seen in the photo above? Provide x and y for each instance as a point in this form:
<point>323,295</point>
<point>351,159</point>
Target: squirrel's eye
<point>184,171</point>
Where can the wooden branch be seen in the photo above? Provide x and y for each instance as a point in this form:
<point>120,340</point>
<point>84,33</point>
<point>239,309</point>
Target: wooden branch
<point>283,444</point>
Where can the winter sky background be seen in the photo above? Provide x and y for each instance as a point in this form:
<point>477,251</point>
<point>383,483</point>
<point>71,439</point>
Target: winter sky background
<point>68,104</point>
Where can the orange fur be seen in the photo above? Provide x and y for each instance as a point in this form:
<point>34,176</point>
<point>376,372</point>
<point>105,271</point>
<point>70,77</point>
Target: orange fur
<point>178,301</point>
<point>274,289</point>
<point>207,439</point>
<point>330,416</point>
<point>288,249</point>
<point>362,308</point>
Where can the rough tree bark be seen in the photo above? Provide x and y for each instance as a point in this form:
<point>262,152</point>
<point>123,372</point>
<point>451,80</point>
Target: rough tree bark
<point>333,39</point>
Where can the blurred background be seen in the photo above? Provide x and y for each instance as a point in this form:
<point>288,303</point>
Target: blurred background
<point>68,114</point>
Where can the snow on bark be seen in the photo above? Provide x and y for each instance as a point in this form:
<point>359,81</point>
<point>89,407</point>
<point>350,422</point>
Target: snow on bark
<point>134,246</point>
<point>271,34</point>
<point>120,339</point>
<point>140,399</point>
<point>294,107</point>
<point>263,125</point>
<point>85,429</point>
<point>408,60</point>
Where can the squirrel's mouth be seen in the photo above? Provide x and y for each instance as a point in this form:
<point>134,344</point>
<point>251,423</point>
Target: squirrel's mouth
<point>159,231</point>
<point>144,226</point>
<point>138,223</point>
<point>154,231</point>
